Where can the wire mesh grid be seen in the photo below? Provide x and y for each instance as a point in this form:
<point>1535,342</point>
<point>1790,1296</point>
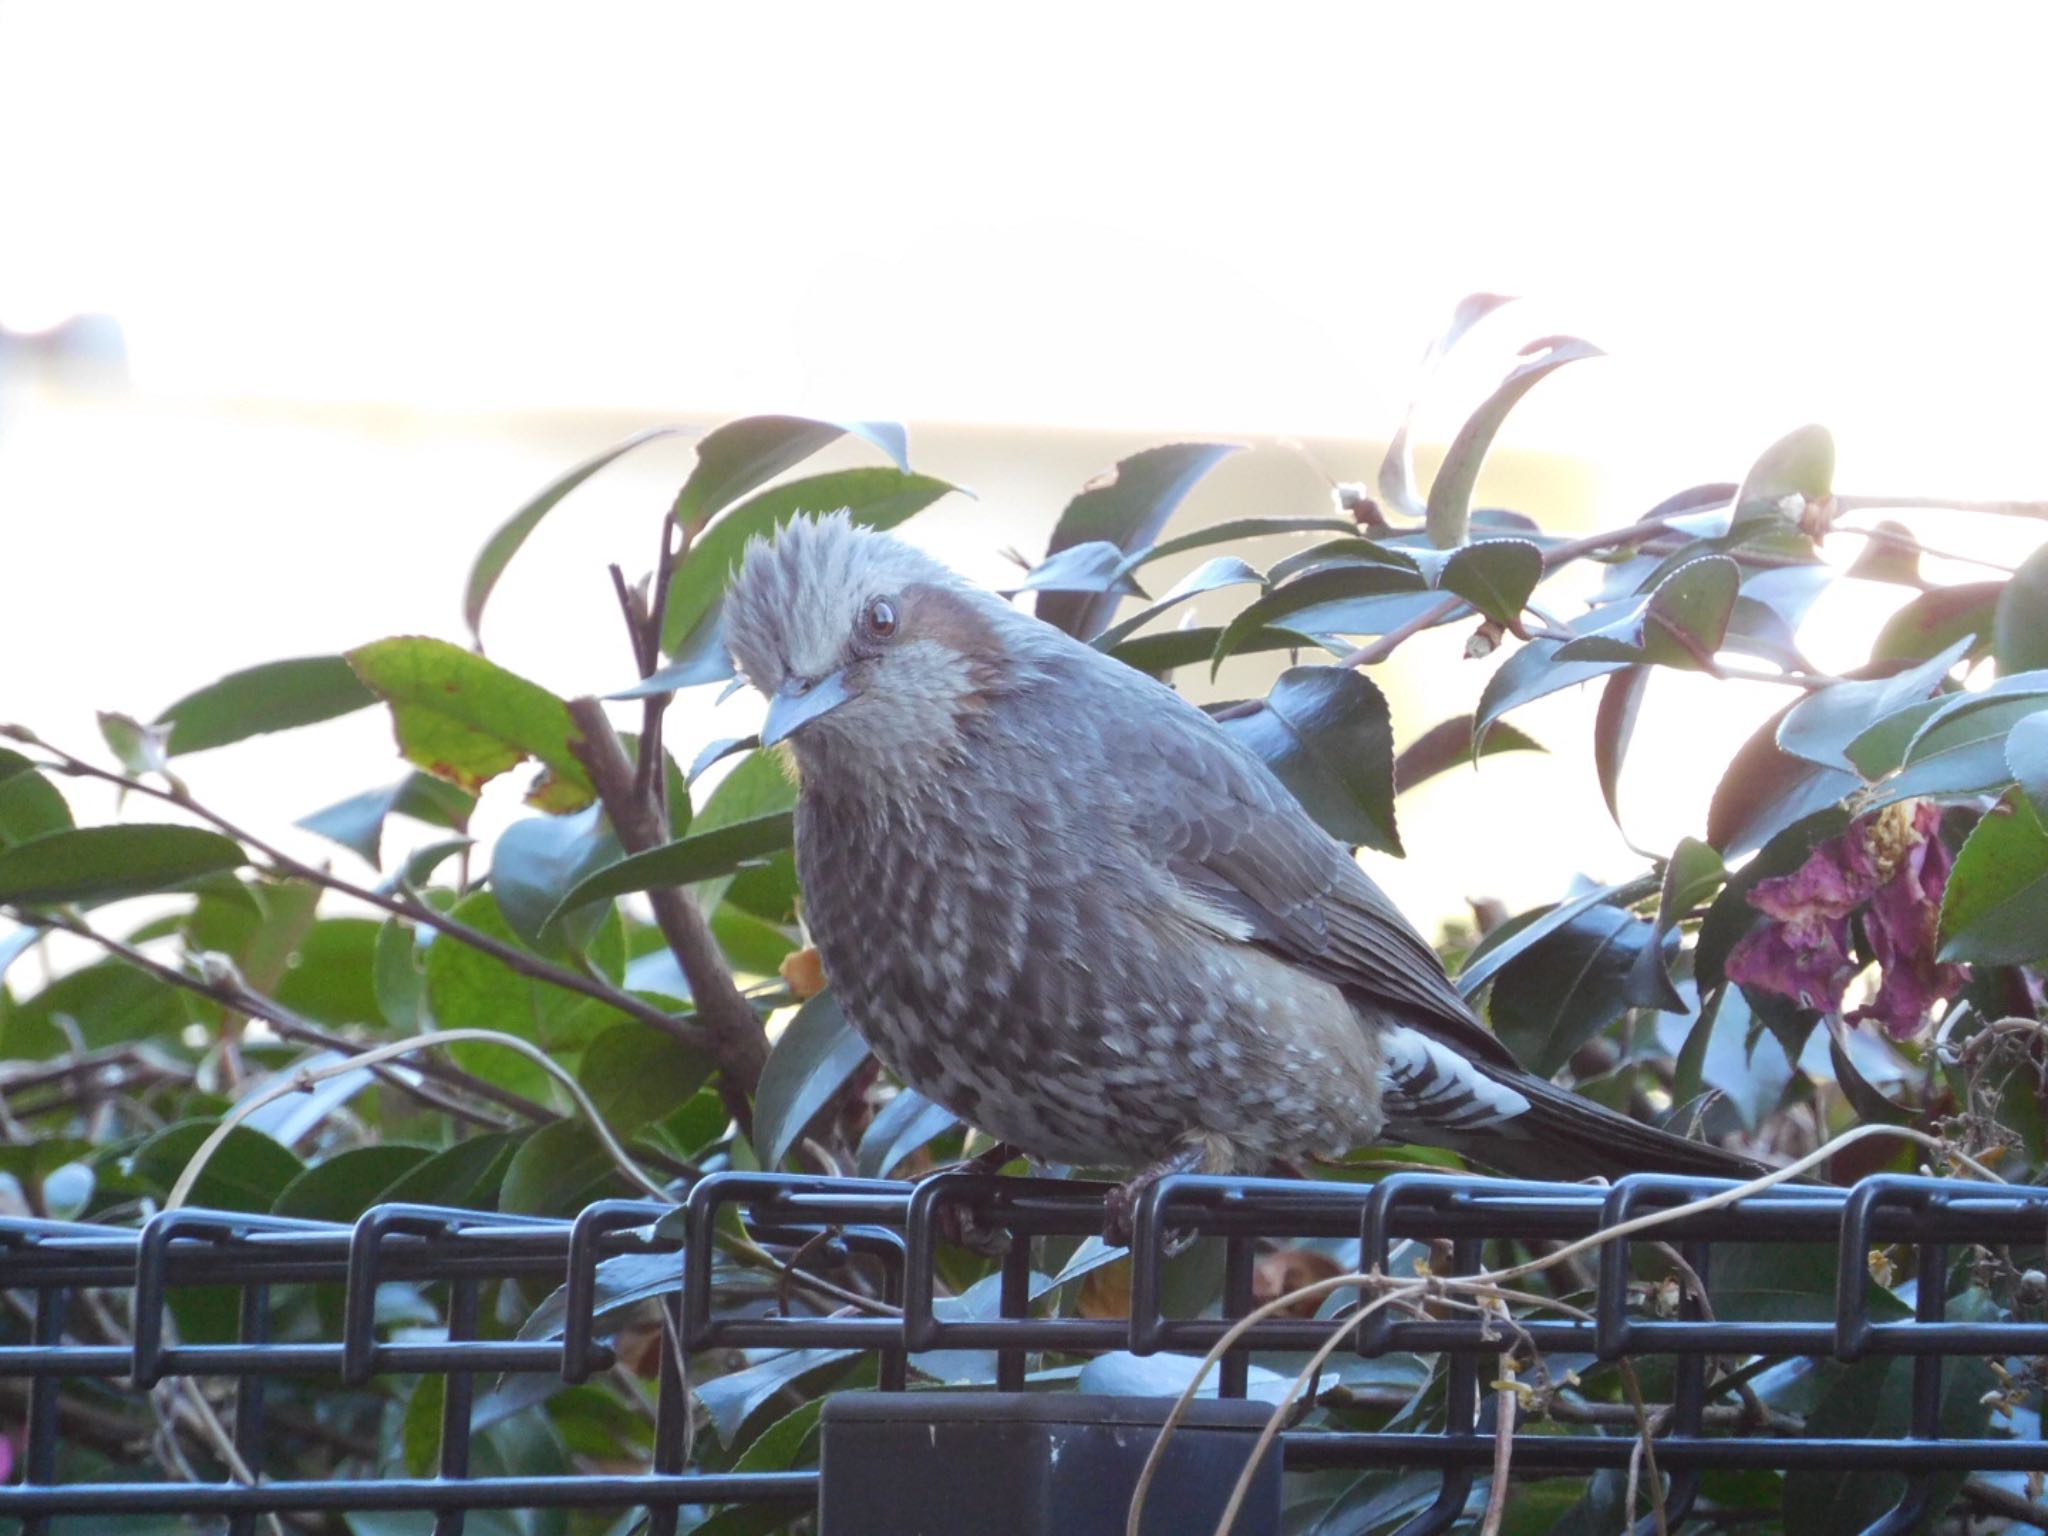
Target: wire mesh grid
<point>900,1229</point>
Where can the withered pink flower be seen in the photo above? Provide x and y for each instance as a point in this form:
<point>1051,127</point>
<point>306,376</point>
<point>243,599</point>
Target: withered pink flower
<point>1890,867</point>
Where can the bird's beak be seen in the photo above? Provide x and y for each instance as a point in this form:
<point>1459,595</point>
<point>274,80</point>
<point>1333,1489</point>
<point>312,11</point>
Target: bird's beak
<point>799,701</point>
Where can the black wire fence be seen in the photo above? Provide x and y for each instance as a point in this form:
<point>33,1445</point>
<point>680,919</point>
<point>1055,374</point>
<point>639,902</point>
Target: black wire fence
<point>879,1246</point>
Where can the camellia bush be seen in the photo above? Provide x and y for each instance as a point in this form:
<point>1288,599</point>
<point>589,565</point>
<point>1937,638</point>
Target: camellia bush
<point>616,996</point>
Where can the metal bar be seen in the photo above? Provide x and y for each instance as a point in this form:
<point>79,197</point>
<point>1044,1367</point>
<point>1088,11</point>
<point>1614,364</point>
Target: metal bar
<point>39,1455</point>
<point>254,1329</point>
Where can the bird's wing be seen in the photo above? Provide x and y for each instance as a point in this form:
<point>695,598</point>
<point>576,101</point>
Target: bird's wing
<point>1230,832</point>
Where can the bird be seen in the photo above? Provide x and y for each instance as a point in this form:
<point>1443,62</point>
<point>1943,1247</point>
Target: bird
<point>1061,901</point>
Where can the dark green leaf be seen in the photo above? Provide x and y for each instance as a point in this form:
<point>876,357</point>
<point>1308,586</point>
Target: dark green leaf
<point>558,1170</point>
<point>467,720</point>
<point>718,751</point>
<point>874,498</point>
<point>1397,469</point>
<point>1692,875</point>
<point>1555,995</point>
<point>499,549</point>
<point>754,945</point>
<point>1995,910</point>
<point>700,856</point>
<point>273,697</point>
<point>139,747</point>
<point>1935,620</point>
<point>1234,530</point>
<point>1223,571</point>
<point>811,1061</point>
<point>1496,576</point>
<point>1325,732</point>
<point>742,455</point>
<point>30,805</point>
<point>1765,791</point>
<point>623,1282</point>
<point>1448,744</point>
<point>348,1183</point>
<point>1614,727</point>
<point>1727,1052</point>
<point>1532,673</point>
<point>1324,602</point>
<point>1351,551</point>
<point>1450,493</point>
<point>1801,463</point>
<point>537,862</point>
<point>1890,554</point>
<point>247,1171</point>
<point>1509,940</point>
<point>100,863</point>
<point>1158,654</point>
<point>637,1074</point>
<point>357,823</point>
<point>906,1123</point>
<point>2026,759</point>
<point>467,1174</point>
<point>1821,726</point>
<point>1680,624</point>
<point>331,975</point>
<point>2020,628</point>
<point>1126,506</point>
<point>106,1003</point>
<point>1097,566</point>
<point>397,976</point>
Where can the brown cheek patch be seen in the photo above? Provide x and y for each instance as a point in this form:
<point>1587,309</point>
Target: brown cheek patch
<point>946,618</point>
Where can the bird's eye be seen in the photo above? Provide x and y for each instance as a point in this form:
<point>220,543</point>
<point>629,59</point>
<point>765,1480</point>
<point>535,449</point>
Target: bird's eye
<point>879,618</point>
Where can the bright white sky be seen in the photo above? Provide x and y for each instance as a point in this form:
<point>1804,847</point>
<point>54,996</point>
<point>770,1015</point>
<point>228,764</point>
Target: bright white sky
<point>1171,217</point>
<point>1167,219</point>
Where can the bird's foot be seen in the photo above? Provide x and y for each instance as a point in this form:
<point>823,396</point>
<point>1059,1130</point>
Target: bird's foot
<point>960,1224</point>
<point>1121,1204</point>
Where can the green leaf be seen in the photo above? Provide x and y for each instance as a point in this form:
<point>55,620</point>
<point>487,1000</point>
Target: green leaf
<point>1680,624</point>
<point>139,747</point>
<point>467,720</point>
<point>1448,744</point>
<point>1397,469</point>
<point>1336,600</point>
<point>1223,571</point>
<point>1614,727</point>
<point>1235,530</point>
<point>1765,790</point>
<point>2020,627</point>
<point>1450,493</point>
<point>1801,463</point>
<point>348,1183</point>
<point>742,455</point>
<point>1509,940</point>
<point>700,856</point>
<point>637,1074</point>
<point>1352,551</point>
<point>1496,576</point>
<point>2026,759</point>
<point>357,823</point>
<point>331,974</point>
<point>1326,733</point>
<point>1555,995</point>
<point>502,545</point>
<point>906,1123</point>
<point>534,865</point>
<point>30,805</point>
<point>397,975</point>
<point>100,863</point>
<point>1097,566</point>
<point>247,1171</point>
<point>1935,620</point>
<point>1158,654</point>
<point>1126,506</point>
<point>811,1061</point>
<point>465,1175</point>
<point>1821,726</point>
<point>106,1003</point>
<point>273,697</point>
<point>558,1170</point>
<point>1531,673</point>
<point>1995,910</point>
<point>875,498</point>
<point>1692,875</point>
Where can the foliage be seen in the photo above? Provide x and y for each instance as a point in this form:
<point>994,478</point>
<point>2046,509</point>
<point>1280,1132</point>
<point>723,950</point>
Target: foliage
<point>1859,937</point>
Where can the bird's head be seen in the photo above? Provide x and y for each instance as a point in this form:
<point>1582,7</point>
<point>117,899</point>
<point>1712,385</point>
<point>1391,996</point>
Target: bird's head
<point>871,654</point>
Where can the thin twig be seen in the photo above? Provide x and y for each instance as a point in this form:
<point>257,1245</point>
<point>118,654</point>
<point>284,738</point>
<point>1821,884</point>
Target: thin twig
<point>1992,1499</point>
<point>404,904</point>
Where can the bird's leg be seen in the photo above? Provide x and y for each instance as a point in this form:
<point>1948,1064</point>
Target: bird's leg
<point>1195,1154</point>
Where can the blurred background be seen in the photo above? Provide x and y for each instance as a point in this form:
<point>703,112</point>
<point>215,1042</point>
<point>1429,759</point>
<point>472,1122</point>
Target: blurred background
<point>297,303</point>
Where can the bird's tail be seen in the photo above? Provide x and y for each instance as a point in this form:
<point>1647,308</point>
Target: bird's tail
<point>1563,1136</point>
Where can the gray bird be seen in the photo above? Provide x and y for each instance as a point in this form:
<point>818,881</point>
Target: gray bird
<point>1061,901</point>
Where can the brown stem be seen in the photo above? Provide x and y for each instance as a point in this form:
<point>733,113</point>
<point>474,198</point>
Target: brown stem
<point>736,1038</point>
<point>652,783</point>
<point>403,905</point>
<point>1988,1496</point>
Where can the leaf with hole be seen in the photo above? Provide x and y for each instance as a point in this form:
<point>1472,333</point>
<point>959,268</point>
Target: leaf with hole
<point>1327,735</point>
<point>467,720</point>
